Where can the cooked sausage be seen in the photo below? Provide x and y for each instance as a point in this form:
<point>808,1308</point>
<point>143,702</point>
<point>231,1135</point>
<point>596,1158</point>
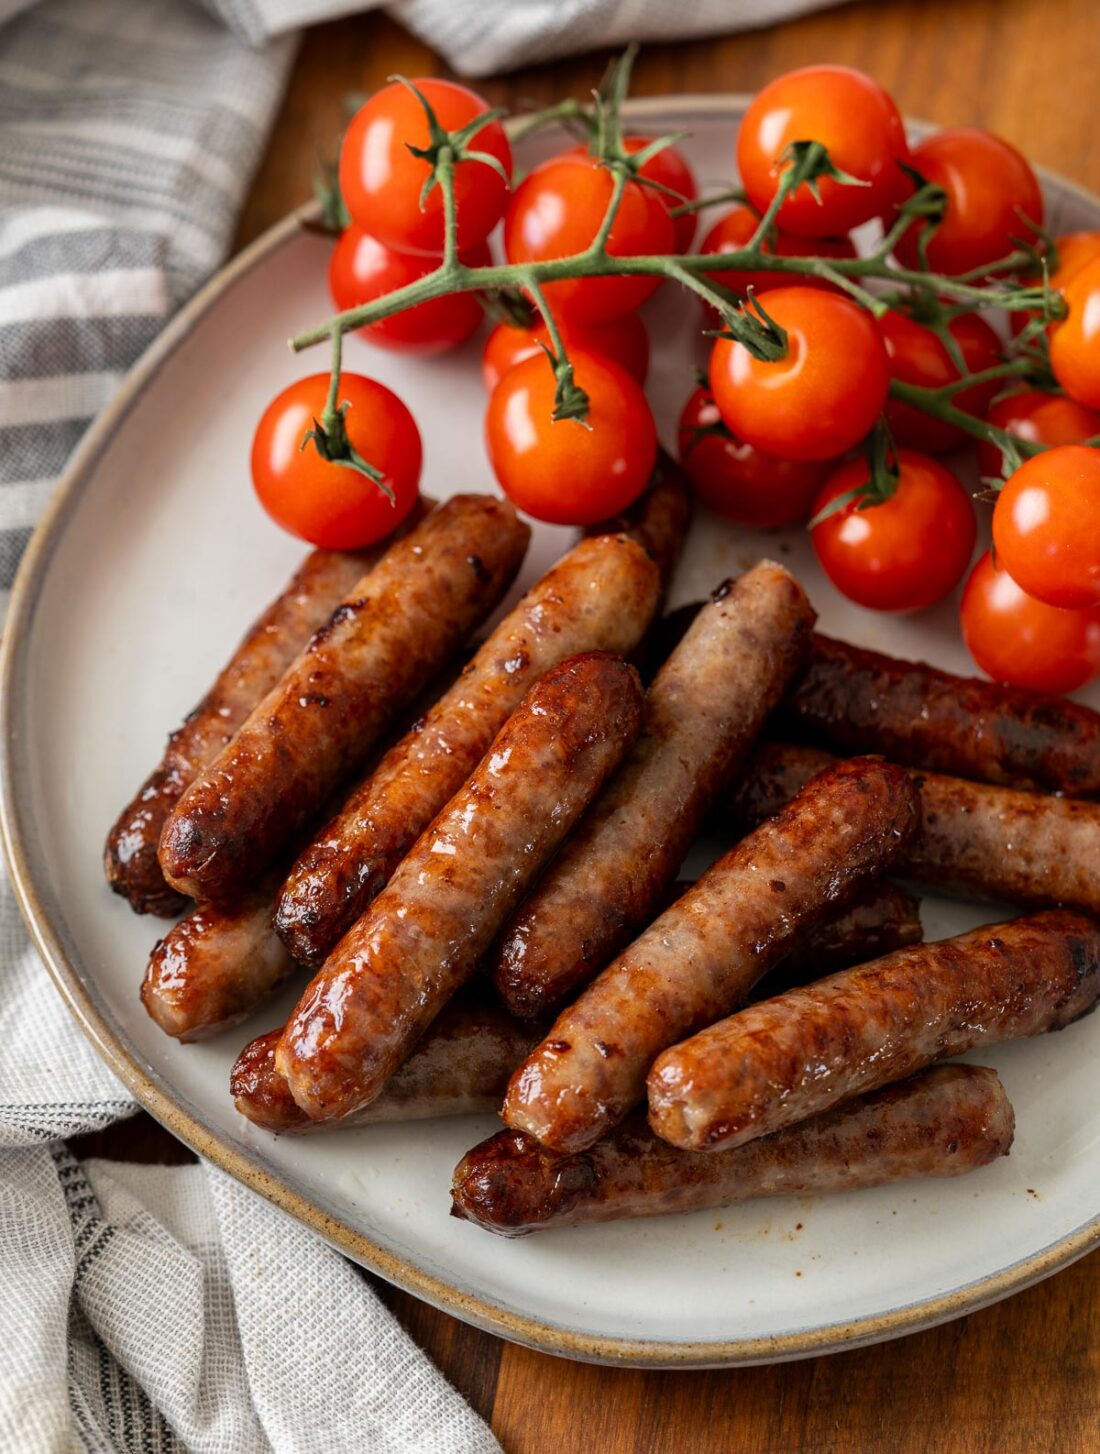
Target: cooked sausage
<point>976,840</point>
<point>943,1122</point>
<point>424,934</point>
<point>392,633</point>
<point>785,1059</point>
<point>861,701</point>
<point>880,919</point>
<point>268,648</point>
<point>459,1068</point>
<point>704,954</point>
<point>659,519</point>
<point>601,596</point>
<point>703,712</point>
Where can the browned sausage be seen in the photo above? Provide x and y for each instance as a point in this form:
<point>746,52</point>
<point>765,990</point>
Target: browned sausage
<point>944,1122</point>
<point>659,519</point>
<point>424,934</point>
<point>395,630</point>
<point>860,701</point>
<point>785,1059</point>
<point>975,840</point>
<point>601,596</point>
<point>459,1068</point>
<point>880,919</point>
<point>705,953</point>
<point>703,712</point>
<point>270,645</point>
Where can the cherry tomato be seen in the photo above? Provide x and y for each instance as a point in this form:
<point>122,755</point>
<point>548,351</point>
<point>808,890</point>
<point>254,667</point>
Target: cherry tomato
<point>1075,340</point>
<point>1019,640</point>
<point>361,268</point>
<point>1046,526</point>
<point>557,211</point>
<point>381,180</point>
<point>918,357</point>
<point>737,481</point>
<point>856,121</point>
<point>564,472</point>
<point>733,230</point>
<point>1038,418</point>
<point>1074,251</point>
<point>669,167</point>
<point>623,340</point>
<point>989,185</point>
<point>823,396</point>
<point>329,504</point>
<point>906,553</point>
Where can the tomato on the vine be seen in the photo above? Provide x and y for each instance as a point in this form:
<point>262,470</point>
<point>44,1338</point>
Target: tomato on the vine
<point>905,553</point>
<point>735,480</point>
<point>1046,526</point>
<point>823,396</point>
<point>918,356</point>
<point>992,198</point>
<point>623,340</point>
<point>670,169</point>
<point>361,268</point>
<point>557,211</point>
<point>733,231</point>
<point>1038,418</point>
<point>857,123</point>
<point>1075,340</point>
<point>1019,640</point>
<point>566,472</point>
<point>329,504</point>
<point>1074,250</point>
<point>381,180</point>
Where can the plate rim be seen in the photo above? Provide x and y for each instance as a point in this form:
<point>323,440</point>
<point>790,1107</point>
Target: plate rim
<point>234,1158</point>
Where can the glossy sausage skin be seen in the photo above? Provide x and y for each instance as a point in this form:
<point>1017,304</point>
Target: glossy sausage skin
<point>703,712</point>
<point>425,933</point>
<point>786,1059</point>
<point>396,629</point>
<point>943,1122</point>
<point>703,955</point>
<point>271,644</point>
<point>976,840</point>
<point>880,919</point>
<point>860,701</point>
<point>460,1067</point>
<point>602,595</point>
<point>659,519</point>
<point>215,967</point>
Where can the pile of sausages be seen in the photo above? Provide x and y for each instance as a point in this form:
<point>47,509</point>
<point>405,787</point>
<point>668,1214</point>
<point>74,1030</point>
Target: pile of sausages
<point>474,850</point>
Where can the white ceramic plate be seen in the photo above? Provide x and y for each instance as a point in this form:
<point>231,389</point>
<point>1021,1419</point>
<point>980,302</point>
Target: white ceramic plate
<point>154,559</point>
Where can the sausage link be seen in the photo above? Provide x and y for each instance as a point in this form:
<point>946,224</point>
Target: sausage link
<point>944,1122</point>
<point>268,648</point>
<point>703,712</point>
<point>976,840</point>
<point>424,934</point>
<point>860,701</point>
<point>704,954</point>
<point>459,1068</point>
<point>659,519</point>
<point>602,595</point>
<point>785,1059</point>
<point>882,918</point>
<point>213,968</point>
<point>392,633</point>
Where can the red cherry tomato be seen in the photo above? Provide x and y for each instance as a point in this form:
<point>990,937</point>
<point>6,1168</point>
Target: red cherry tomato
<point>1074,251</point>
<point>381,180</point>
<point>361,268</point>
<point>1075,341</point>
<point>731,233</point>
<point>564,472</point>
<point>332,505</point>
<point>623,340</point>
<point>856,121</point>
<point>669,167</point>
<point>820,399</point>
<point>918,357</point>
<point>1019,640</point>
<point>1046,526</point>
<point>989,185</point>
<point>906,553</point>
<point>737,481</point>
<point>1039,418</point>
<point>557,211</point>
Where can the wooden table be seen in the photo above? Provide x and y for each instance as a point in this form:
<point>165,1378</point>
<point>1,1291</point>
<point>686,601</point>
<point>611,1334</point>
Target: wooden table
<point>1023,1376</point>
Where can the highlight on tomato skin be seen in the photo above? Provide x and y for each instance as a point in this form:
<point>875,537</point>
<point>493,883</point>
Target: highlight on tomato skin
<point>917,356</point>
<point>1023,642</point>
<point>623,340</point>
<point>1046,526</point>
<point>1037,418</point>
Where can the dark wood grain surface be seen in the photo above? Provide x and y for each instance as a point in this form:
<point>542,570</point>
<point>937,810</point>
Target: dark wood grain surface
<point>1022,1376</point>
